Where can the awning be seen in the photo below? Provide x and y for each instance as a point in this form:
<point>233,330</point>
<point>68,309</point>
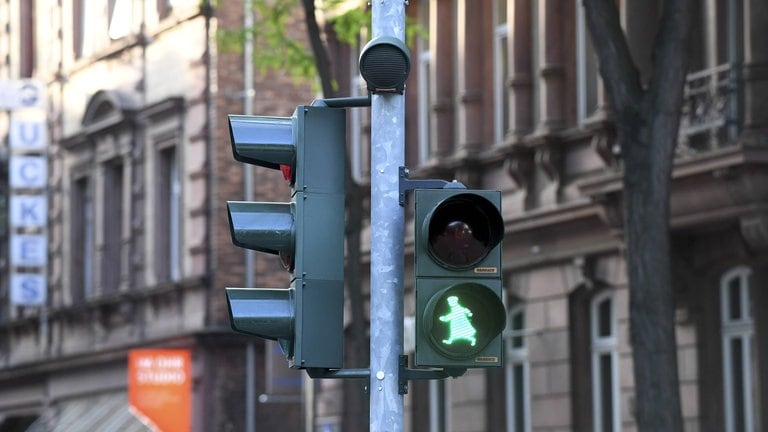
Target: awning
<point>103,413</point>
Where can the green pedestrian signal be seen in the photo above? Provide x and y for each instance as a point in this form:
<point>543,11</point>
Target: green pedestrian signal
<point>459,310</point>
<point>459,323</point>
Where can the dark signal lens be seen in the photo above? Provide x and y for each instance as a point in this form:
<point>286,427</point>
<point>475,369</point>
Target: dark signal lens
<point>455,243</point>
<point>462,230</point>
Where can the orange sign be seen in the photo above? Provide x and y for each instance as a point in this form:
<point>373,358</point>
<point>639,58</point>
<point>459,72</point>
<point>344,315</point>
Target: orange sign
<point>160,388</point>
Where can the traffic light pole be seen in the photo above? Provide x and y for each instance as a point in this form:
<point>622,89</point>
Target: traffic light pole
<point>458,275</point>
<point>387,231</point>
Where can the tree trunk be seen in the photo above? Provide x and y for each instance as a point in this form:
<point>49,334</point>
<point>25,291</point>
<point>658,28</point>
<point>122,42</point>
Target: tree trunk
<point>651,302</point>
<point>322,62</point>
<point>647,122</point>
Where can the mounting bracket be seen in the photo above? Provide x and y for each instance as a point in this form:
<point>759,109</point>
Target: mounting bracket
<point>406,185</point>
<point>405,374</point>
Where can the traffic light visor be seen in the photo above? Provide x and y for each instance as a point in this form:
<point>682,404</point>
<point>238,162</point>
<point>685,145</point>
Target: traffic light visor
<point>462,230</point>
<point>266,313</point>
<point>264,227</point>
<point>264,141</point>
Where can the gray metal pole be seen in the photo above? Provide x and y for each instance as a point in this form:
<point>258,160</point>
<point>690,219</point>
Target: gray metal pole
<point>387,226</point>
<point>250,349</point>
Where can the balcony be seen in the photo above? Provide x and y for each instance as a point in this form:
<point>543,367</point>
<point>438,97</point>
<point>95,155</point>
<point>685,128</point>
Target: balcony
<point>710,113</point>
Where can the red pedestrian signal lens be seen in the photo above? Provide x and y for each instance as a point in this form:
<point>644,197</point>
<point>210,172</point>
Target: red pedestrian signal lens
<point>462,231</point>
<point>286,259</point>
<point>287,173</point>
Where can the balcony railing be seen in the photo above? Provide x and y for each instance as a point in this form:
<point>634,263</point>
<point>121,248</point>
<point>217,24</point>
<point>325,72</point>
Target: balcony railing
<point>709,118</point>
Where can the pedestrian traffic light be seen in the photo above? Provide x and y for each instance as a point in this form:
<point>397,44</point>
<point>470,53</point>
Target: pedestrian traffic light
<point>459,311</point>
<point>307,233</point>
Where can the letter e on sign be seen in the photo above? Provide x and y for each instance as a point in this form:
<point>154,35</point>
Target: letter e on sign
<point>29,250</point>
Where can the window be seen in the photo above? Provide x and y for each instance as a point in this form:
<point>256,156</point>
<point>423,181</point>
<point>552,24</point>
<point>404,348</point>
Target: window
<point>516,373</point>
<point>536,57</point>
<point>163,8</point>
<point>167,217</point>
<point>500,70</point>
<point>27,48</point>
<point>112,225</point>
<point>102,153</point>
<point>739,362</point>
<point>78,27</point>
<point>605,389</point>
<point>360,131</point>
<point>82,27</point>
<point>81,229</point>
<point>425,82</point>
<point>586,69</point>
<point>119,18</point>
<point>439,406</point>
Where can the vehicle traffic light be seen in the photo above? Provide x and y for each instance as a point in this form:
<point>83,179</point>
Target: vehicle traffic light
<point>459,310</point>
<point>307,233</point>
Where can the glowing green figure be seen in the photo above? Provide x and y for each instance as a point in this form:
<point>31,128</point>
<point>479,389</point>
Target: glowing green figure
<point>458,320</point>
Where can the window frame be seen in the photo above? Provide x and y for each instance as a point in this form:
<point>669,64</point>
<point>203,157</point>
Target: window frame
<point>601,346</point>
<point>168,199</point>
<point>119,18</point>
<point>27,41</point>
<point>741,329</point>
<point>440,406</point>
<point>501,100</point>
<point>517,356</point>
<point>587,77</point>
<point>115,179</point>
<point>359,123</point>
<point>424,72</point>
<point>82,235</point>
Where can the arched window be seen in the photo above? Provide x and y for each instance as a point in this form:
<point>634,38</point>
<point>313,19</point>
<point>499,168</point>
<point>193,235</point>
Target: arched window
<point>739,378</point>
<point>98,178</point>
<point>516,372</point>
<point>604,363</point>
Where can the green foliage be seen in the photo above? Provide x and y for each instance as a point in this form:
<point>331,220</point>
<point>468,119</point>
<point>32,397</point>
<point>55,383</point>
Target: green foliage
<point>350,24</point>
<point>353,23</point>
<point>276,48</point>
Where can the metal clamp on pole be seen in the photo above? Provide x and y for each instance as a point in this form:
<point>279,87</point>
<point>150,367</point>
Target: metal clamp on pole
<point>406,374</point>
<point>344,102</point>
<point>406,185</point>
<point>341,374</point>
<point>338,373</point>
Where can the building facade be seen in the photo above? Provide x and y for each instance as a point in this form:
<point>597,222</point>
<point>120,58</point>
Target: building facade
<point>506,94</point>
<point>503,94</point>
<point>138,247</point>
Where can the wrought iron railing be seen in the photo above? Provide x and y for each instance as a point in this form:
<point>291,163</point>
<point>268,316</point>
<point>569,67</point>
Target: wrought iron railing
<point>709,118</point>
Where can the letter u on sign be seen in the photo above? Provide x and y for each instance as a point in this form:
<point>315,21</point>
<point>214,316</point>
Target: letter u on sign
<point>27,132</point>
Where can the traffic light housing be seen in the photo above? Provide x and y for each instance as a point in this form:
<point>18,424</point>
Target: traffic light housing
<point>307,233</point>
<point>460,315</point>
